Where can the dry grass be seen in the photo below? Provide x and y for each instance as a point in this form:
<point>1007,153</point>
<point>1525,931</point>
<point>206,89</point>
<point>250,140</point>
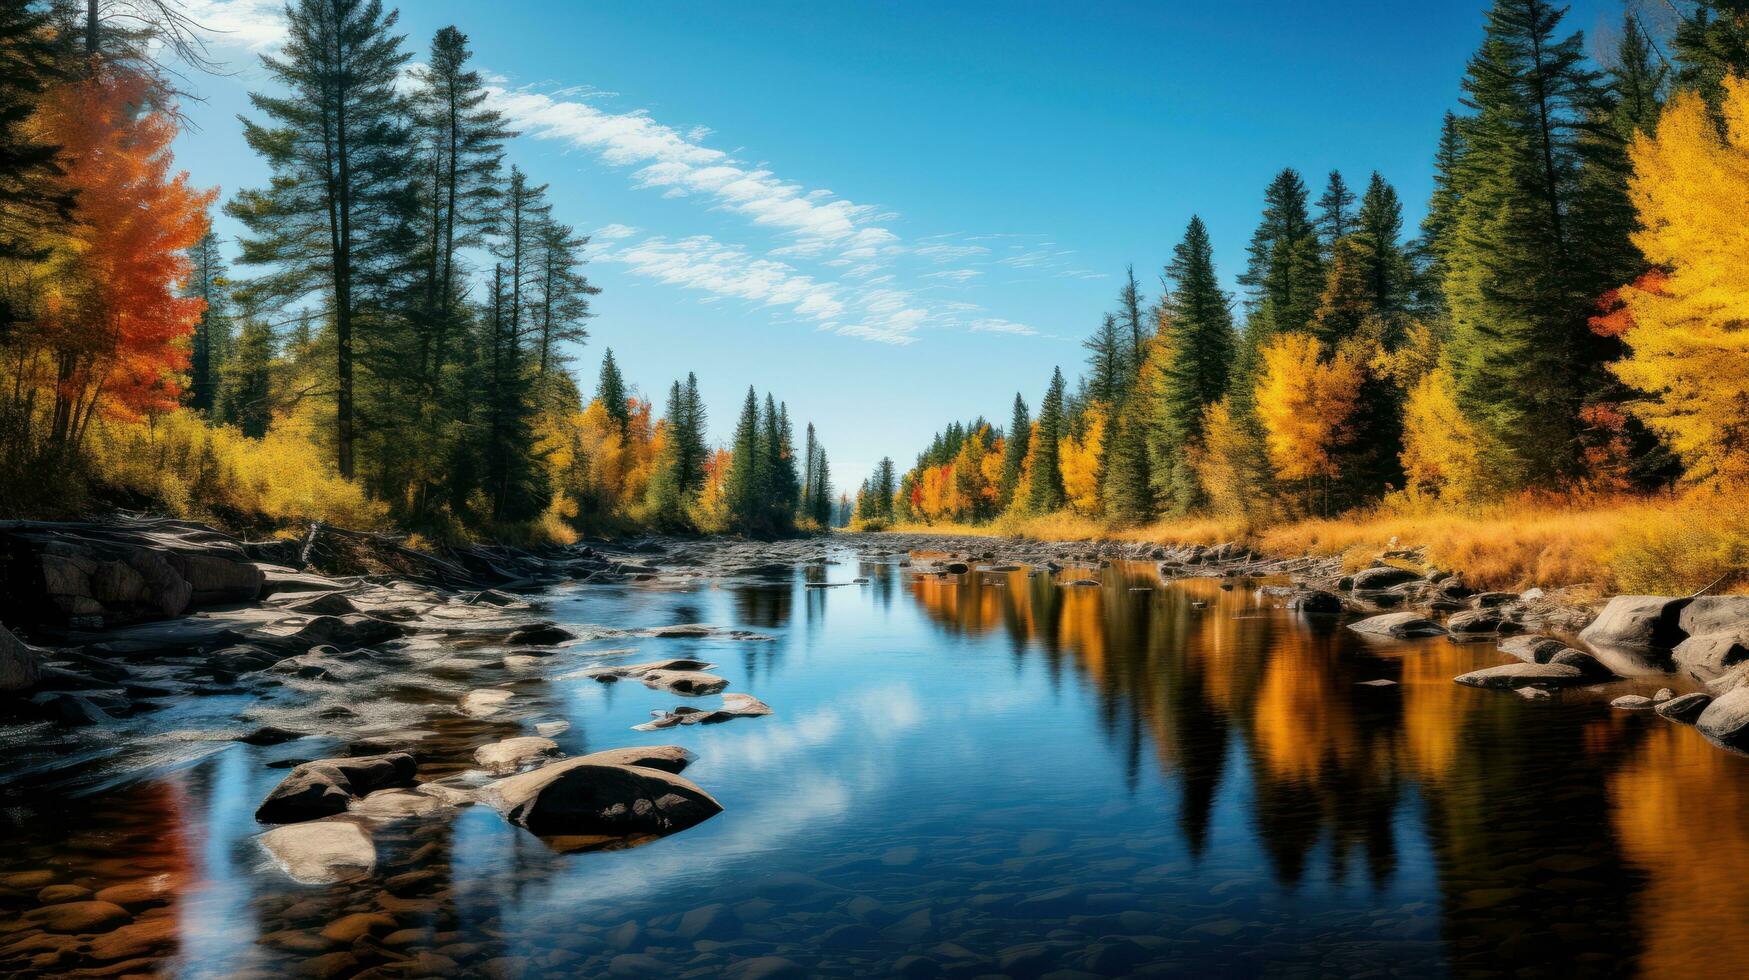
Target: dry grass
<point>1656,545</point>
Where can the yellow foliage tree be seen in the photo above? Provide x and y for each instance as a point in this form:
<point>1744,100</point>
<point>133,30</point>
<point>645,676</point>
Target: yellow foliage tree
<point>1079,460</point>
<point>1219,460</point>
<point>1689,348</point>
<point>1442,452</point>
<point>1306,403</point>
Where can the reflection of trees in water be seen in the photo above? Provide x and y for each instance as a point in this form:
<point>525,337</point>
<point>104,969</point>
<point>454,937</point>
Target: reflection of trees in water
<point>764,606</point>
<point>1513,791</point>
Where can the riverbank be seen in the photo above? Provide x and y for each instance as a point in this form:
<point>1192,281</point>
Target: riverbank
<point>1668,545</point>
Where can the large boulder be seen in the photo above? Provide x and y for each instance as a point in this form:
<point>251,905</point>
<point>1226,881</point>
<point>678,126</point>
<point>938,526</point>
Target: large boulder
<point>1532,648</point>
<point>1523,675</point>
<point>321,852</point>
<point>1315,601</point>
<point>513,753</point>
<point>1637,624</point>
<point>668,758</point>
<point>1398,625</point>
<point>1383,577</point>
<point>1726,719</point>
<point>1481,622</point>
<point>327,786</point>
<point>580,797</point>
<point>21,665</point>
<point>348,632</point>
<point>1714,614</point>
<point>1711,654</point>
<point>1685,708</point>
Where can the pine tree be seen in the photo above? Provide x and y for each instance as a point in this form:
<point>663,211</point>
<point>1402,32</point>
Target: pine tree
<point>1711,43</point>
<point>883,487</point>
<point>1198,348</point>
<point>31,202</point>
<point>689,436</point>
<point>1283,274</point>
<point>1521,279</point>
<point>666,495</point>
<point>744,484</point>
<point>1335,212</point>
<point>460,150</point>
<point>1130,317</point>
<point>212,335</point>
<point>1046,493</point>
<point>610,390</point>
<point>246,383</point>
<point>1439,225</point>
<point>560,292</point>
<point>1378,230</point>
<point>1013,453</point>
<point>334,217</point>
<point>516,478</point>
<point>1637,82</point>
<point>1108,371</point>
<point>785,484</point>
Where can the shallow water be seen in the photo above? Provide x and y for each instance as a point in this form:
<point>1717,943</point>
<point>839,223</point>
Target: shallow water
<point>999,774</point>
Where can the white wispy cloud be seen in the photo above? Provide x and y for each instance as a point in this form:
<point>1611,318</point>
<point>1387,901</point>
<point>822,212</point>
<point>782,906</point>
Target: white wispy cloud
<point>999,325</point>
<point>701,262</point>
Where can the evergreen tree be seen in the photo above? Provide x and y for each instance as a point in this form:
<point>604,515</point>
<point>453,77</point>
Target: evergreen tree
<point>1335,212</point>
<point>1013,453</point>
<point>1378,230</point>
<point>1129,314</point>
<point>560,292</point>
<point>460,151</point>
<point>333,218</point>
<point>1127,491</point>
<point>1108,371</point>
<point>1520,280</point>
<point>30,200</point>
<point>666,495</point>
<point>610,390</point>
<point>1046,493</point>
<point>1711,42</point>
<point>1439,225</point>
<point>1637,82</point>
<point>1198,351</point>
<point>246,382</point>
<point>1283,274</point>
<point>516,479</point>
<point>689,436</point>
<point>212,335</point>
<point>884,485</point>
<point>745,482</point>
<point>785,485</point>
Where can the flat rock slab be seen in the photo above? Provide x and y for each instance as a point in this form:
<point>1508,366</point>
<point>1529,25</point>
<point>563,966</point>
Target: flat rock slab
<point>321,852</point>
<point>680,676</point>
<point>1400,626</point>
<point>484,703</point>
<point>1383,577</point>
<point>1523,675</point>
<point>1685,708</point>
<point>503,758</point>
<point>734,706</point>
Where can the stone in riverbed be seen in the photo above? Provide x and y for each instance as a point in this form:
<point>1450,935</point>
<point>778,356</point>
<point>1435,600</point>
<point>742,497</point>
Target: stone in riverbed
<point>321,852</point>
<point>734,706</point>
<point>1588,666</point>
<point>326,786</point>
<point>1532,648</point>
<point>1492,600</point>
<point>484,703</point>
<point>1315,601</point>
<point>1480,622</point>
<point>1637,624</point>
<point>1715,614</point>
<point>503,758</point>
<point>78,917</point>
<point>1685,708</point>
<point>1401,625</point>
<point>348,632</point>
<point>1710,654</point>
<point>1523,675</point>
<point>668,758</point>
<point>542,634</point>
<point>1632,702</point>
<point>20,663</point>
<point>1382,577</point>
<point>680,676</point>
<point>1726,720</point>
<point>579,797</point>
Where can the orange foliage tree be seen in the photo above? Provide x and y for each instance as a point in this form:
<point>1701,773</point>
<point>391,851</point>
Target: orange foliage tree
<point>112,327</point>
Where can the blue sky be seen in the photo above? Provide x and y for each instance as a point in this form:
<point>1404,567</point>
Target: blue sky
<point>894,215</point>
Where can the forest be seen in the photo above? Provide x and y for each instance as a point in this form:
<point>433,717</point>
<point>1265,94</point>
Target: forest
<point>393,344</point>
<point>1562,335</point>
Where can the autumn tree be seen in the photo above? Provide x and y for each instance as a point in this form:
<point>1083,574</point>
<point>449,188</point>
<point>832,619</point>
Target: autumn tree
<point>1306,402</point>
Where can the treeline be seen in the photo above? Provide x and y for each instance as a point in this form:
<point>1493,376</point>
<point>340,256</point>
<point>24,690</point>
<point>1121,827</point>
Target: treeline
<point>400,322</point>
<point>1568,316</point>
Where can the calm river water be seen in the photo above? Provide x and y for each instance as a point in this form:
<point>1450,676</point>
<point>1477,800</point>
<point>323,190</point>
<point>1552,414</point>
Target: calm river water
<point>991,774</point>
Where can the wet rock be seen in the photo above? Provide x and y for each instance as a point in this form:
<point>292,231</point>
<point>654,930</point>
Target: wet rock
<point>668,758</point>
<point>1523,675</point>
<point>326,604</point>
<point>350,928</point>
<point>270,735</point>
<point>1532,648</point>
<point>579,797</point>
<point>348,632</point>
<point>484,703</point>
<point>1715,614</point>
<point>766,968</point>
<point>503,758</point>
<point>1589,667</point>
<point>78,917</point>
<point>389,805</point>
<point>1726,719</point>
<point>1637,624</point>
<point>734,706</point>
<point>1685,708</point>
<point>139,893</point>
<point>55,894</point>
<point>542,634</point>
<point>320,852</point>
<point>1382,577</point>
<point>320,663</point>
<point>69,709</point>
<point>1632,702</point>
<point>326,786</point>
<point>1493,600</point>
<point>551,728</point>
<point>1664,694</point>
<point>1400,625</point>
<point>1480,622</point>
<point>1711,654</point>
<point>683,676</point>
<point>1315,601</point>
<point>139,938</point>
<point>20,663</point>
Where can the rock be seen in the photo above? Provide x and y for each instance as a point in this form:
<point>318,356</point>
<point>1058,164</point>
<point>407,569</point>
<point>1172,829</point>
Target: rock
<point>1532,648</point>
<point>1632,702</point>
<point>680,676</point>
<point>579,797</point>
<point>1685,708</point>
<point>135,939</point>
<point>551,728</point>
<point>1400,625</point>
<point>349,928</point>
<point>503,758</point>
<point>326,786</point>
<point>346,633</point>
<point>1588,666</point>
<point>542,634</point>
<point>734,706</point>
<point>1315,601</point>
<point>389,805</point>
<point>668,758</point>
<point>78,917</point>
<point>484,703</point>
<point>320,663</point>
<point>326,604</point>
<point>139,893</point>
<point>1715,614</point>
<point>1378,682</point>
<point>766,968</point>
<point>20,663</point>
<point>1726,719</point>
<point>1711,654</point>
<point>1478,622</point>
<point>1523,675</point>
<point>1664,694</point>
<point>55,894</point>
<point>321,852</point>
<point>1493,600</point>
<point>1637,624</point>
<point>270,735</point>
<point>1382,577</point>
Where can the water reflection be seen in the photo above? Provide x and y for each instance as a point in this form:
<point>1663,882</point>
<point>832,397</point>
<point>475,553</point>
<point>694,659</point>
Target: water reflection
<point>1005,772</point>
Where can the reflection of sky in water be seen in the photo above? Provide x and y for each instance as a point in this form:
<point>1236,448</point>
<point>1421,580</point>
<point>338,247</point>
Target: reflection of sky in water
<point>1045,758</point>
